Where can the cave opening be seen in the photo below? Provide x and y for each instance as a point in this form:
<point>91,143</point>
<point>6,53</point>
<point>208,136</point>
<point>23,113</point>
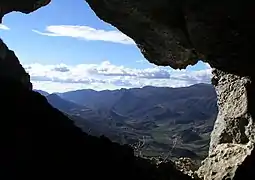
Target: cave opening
<point>168,33</point>
<point>96,75</point>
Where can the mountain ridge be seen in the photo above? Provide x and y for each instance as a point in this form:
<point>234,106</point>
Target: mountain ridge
<point>158,114</point>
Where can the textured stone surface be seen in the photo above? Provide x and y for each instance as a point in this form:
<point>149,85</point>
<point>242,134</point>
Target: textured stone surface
<point>233,117</point>
<point>162,35</point>
<point>223,161</point>
<point>187,166</point>
<point>232,139</point>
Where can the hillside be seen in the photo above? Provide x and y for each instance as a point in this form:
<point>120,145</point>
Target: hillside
<point>168,122</point>
<point>73,108</point>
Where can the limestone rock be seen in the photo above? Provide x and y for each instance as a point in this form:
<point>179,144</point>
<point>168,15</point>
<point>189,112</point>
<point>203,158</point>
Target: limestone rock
<point>233,117</point>
<point>232,139</point>
<point>223,162</point>
<point>187,166</point>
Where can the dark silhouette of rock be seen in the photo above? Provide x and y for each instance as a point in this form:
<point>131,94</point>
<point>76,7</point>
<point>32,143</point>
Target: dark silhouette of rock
<point>10,66</point>
<point>22,6</point>
<point>44,93</point>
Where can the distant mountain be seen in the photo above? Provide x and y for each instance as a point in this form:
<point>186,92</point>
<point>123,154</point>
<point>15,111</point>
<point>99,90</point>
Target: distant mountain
<point>62,104</point>
<point>72,108</point>
<point>181,105</point>
<point>165,119</point>
<point>93,99</point>
<point>44,93</point>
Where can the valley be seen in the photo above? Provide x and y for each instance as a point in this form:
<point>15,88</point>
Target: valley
<point>160,122</point>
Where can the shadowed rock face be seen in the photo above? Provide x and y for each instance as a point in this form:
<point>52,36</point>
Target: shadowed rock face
<point>10,66</point>
<point>178,33</point>
<point>25,6</point>
<point>162,36</point>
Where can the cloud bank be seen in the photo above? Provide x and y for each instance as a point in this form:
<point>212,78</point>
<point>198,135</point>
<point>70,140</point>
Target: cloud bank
<point>62,77</point>
<point>86,33</point>
<point>4,27</point>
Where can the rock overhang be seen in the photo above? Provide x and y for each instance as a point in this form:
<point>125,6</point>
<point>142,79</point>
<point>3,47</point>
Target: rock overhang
<point>26,6</point>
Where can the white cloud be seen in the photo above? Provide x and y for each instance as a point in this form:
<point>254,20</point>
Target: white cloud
<point>141,61</point>
<point>105,75</point>
<point>4,27</point>
<point>86,33</point>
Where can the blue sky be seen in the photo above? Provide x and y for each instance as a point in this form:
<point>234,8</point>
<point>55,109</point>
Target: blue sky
<point>65,46</point>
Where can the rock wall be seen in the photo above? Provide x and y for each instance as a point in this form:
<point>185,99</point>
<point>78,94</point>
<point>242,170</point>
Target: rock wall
<point>162,36</point>
<point>177,33</point>
<point>232,139</point>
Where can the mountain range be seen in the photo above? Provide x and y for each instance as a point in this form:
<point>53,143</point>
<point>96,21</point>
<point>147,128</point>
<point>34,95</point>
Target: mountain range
<point>157,121</point>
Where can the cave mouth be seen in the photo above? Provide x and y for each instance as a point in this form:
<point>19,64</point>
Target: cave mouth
<point>177,34</point>
<point>177,121</point>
